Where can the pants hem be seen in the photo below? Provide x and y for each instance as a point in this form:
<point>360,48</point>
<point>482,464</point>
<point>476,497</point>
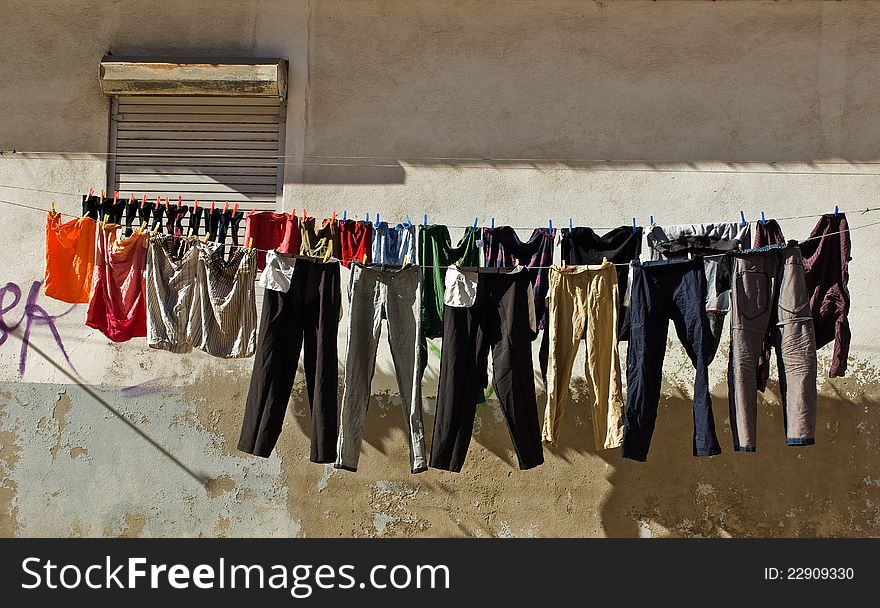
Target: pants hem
<point>254,451</point>
<point>744,448</point>
<point>800,441</point>
<point>344,467</point>
<point>420,469</point>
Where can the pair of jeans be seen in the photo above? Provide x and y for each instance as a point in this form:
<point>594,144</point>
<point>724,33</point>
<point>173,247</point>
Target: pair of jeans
<point>502,248</point>
<point>305,317</point>
<point>376,293</point>
<point>770,304</point>
<point>666,290</point>
<point>583,301</point>
<point>501,319</point>
<point>436,253</point>
<point>581,245</point>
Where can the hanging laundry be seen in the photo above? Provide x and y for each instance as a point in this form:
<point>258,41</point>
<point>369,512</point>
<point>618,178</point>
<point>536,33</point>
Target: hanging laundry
<point>394,244</point>
<point>132,209</point>
<point>356,239</point>
<point>266,230</point>
<point>322,243</point>
<point>195,299</point>
<point>278,272</point>
<point>213,220</point>
<point>683,240</point>
<point>661,291</point>
<point>377,293</point>
<point>581,245</point>
<point>827,252</point>
<point>770,303</point>
<point>502,248</point>
<point>224,323</point>
<point>435,254</point>
<point>195,220</point>
<point>91,206</point>
<point>145,212</point>
<point>174,219</point>
<point>768,233</point>
<point>304,318</point>
<point>157,214</point>
<point>583,301</point>
<point>70,258</point>
<point>118,304</point>
<point>494,309</point>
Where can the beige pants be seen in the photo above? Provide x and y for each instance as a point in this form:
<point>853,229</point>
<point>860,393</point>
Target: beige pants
<point>585,299</point>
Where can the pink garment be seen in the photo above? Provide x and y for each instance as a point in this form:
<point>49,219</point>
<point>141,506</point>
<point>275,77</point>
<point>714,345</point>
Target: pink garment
<point>118,305</point>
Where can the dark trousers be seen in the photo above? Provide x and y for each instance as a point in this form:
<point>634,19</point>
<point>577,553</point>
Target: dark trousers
<point>501,319</point>
<point>307,317</point>
<point>663,291</point>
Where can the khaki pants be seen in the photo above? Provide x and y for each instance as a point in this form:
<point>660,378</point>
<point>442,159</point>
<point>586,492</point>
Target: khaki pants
<point>585,299</point>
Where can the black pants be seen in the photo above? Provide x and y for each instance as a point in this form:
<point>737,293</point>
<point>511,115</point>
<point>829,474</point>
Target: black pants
<point>307,317</point>
<point>661,291</point>
<point>501,318</point>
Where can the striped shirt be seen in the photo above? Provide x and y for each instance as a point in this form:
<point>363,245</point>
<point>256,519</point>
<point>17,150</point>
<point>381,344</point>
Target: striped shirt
<point>195,299</point>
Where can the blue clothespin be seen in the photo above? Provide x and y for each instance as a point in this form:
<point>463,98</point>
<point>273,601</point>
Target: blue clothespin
<point>344,215</point>
<point>550,225</point>
<point>742,218</point>
<point>376,223</point>
<point>475,223</point>
<point>426,220</point>
<point>570,225</point>
<point>652,220</point>
<point>367,220</point>
<point>493,222</point>
<point>763,221</point>
<point>835,211</point>
<point>634,226</point>
<point>407,221</point>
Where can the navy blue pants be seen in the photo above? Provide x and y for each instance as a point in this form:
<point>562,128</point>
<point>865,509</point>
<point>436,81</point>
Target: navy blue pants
<point>662,291</point>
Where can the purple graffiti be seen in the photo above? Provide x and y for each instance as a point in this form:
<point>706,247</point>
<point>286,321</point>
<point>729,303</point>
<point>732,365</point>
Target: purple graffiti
<point>33,313</point>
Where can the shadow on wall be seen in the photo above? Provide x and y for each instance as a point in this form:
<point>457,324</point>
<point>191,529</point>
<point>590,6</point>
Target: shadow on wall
<point>829,489</point>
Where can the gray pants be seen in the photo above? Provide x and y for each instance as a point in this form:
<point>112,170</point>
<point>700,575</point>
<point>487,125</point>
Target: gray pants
<point>769,302</point>
<point>376,293</point>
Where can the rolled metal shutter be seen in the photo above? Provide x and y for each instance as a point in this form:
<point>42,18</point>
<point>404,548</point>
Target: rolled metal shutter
<point>201,148</point>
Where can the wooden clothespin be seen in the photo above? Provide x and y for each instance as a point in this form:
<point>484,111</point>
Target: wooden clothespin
<point>207,236</point>
<point>365,258</point>
<point>405,259</point>
<point>515,262</point>
<point>53,206</point>
<point>250,244</point>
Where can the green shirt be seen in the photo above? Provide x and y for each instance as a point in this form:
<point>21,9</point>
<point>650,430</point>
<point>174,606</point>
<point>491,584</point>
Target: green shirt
<point>435,254</point>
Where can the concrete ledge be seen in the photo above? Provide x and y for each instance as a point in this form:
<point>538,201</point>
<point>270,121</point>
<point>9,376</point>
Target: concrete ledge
<point>141,76</point>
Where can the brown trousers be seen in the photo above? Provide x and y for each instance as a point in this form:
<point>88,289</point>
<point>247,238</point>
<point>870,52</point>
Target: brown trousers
<point>770,305</point>
<point>585,299</point>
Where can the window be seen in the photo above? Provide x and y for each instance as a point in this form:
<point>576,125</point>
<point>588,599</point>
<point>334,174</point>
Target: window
<point>200,148</point>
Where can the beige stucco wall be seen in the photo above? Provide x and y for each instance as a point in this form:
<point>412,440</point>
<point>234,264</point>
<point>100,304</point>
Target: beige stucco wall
<point>713,106</point>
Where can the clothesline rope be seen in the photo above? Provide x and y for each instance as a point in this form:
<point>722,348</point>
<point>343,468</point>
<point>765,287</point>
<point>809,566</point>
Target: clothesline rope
<point>529,267</point>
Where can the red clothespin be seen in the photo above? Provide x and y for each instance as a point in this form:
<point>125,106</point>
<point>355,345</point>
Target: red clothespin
<point>333,218</point>
<point>180,200</point>
<point>235,209</point>
<point>166,202</point>
<point>254,210</point>
<point>144,201</point>
<point>102,195</point>
<point>212,206</point>
<point>304,213</point>
<point>91,192</point>
<point>131,198</point>
<point>196,204</point>
<point>115,196</point>
<point>158,201</point>
<point>226,207</point>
